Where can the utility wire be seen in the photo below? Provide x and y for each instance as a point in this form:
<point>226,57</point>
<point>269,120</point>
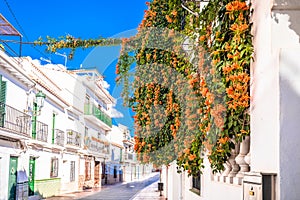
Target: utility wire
<point>15,18</point>
<point>22,30</point>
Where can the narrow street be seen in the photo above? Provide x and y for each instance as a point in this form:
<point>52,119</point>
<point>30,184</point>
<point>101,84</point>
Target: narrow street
<point>125,191</point>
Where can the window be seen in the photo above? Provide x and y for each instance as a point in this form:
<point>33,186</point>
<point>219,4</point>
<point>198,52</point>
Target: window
<point>103,170</point>
<point>196,184</point>
<point>87,99</point>
<point>115,172</point>
<point>54,167</point>
<point>72,171</point>
<point>87,170</point>
<point>86,131</point>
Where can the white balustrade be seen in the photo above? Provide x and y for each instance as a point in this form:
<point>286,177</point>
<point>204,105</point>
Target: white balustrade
<point>240,159</point>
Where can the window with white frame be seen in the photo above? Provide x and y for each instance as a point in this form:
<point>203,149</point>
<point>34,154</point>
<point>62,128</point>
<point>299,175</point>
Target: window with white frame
<point>54,167</point>
<point>72,171</point>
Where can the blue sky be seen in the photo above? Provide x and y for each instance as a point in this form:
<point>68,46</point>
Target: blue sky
<point>84,19</point>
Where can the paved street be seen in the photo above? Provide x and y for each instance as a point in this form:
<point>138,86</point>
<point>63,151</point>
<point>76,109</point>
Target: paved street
<point>144,189</point>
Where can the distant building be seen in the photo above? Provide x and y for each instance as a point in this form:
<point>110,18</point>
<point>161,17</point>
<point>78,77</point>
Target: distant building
<point>128,168</point>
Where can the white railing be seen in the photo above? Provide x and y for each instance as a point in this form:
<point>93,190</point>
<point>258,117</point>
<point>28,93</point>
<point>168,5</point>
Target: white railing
<point>237,164</point>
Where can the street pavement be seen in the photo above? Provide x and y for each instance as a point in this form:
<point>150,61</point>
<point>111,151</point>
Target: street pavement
<point>137,190</point>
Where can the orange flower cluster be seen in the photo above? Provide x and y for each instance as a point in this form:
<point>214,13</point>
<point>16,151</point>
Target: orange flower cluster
<point>239,28</point>
<point>223,140</point>
<point>229,68</point>
<point>241,77</point>
<point>217,112</point>
<point>169,19</point>
<point>202,38</point>
<point>192,157</point>
<point>238,93</point>
<point>236,6</point>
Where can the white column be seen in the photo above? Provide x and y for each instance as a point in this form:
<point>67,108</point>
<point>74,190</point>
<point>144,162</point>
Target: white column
<point>234,166</point>
<point>225,173</point>
<point>248,159</point>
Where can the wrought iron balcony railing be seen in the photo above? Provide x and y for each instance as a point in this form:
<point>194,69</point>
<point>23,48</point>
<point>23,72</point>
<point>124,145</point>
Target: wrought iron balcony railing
<point>90,109</point>
<point>73,138</point>
<point>59,137</point>
<point>15,120</point>
<point>97,145</point>
<point>41,131</point>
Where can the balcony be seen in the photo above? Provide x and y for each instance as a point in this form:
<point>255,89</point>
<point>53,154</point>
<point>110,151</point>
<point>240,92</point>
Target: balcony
<point>73,138</point>
<point>98,145</point>
<point>14,120</point>
<point>129,157</point>
<point>59,137</point>
<point>41,131</point>
<point>96,112</point>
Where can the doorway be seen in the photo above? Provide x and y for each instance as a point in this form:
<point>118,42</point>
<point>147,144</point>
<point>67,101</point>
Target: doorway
<point>97,174</point>
<point>12,181</point>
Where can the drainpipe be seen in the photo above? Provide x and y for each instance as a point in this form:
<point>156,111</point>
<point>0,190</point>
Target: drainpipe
<point>34,118</point>
<point>53,127</point>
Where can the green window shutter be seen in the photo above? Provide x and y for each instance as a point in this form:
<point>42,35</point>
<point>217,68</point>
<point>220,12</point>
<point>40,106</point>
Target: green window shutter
<point>3,92</point>
<point>2,101</point>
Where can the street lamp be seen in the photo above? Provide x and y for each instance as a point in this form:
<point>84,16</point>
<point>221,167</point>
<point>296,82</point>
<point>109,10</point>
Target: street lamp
<point>38,104</point>
<point>39,100</point>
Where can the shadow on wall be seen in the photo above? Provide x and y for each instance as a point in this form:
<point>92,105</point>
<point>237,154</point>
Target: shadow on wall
<point>289,123</point>
<point>290,8</point>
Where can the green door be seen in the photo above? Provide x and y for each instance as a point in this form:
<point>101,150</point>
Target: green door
<point>12,180</point>
<point>31,176</point>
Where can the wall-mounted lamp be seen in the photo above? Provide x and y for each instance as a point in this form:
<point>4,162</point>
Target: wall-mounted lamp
<point>37,106</point>
<point>39,100</point>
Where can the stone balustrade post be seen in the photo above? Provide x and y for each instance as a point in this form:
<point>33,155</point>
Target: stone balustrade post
<point>240,159</point>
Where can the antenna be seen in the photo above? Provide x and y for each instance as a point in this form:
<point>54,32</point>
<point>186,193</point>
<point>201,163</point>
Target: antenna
<point>46,60</point>
<point>63,55</point>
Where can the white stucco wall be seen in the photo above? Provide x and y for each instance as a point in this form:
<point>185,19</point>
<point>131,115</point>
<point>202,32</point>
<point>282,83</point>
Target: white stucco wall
<point>289,124</point>
<point>15,96</point>
<point>116,135</point>
<point>210,190</point>
<point>275,94</point>
<point>65,170</point>
<point>265,93</point>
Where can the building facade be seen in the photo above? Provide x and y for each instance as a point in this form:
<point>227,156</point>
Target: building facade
<point>57,147</point>
<point>56,132</point>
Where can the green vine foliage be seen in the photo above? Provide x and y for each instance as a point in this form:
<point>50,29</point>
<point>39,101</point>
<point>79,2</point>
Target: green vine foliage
<point>190,85</point>
<point>72,43</point>
<point>215,69</point>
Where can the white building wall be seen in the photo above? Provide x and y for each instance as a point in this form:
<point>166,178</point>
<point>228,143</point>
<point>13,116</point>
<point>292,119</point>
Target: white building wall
<point>275,94</point>
<point>65,171</point>
<point>116,135</point>
<point>4,165</point>
<point>15,95</point>
<point>265,93</point>
<point>210,190</point>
